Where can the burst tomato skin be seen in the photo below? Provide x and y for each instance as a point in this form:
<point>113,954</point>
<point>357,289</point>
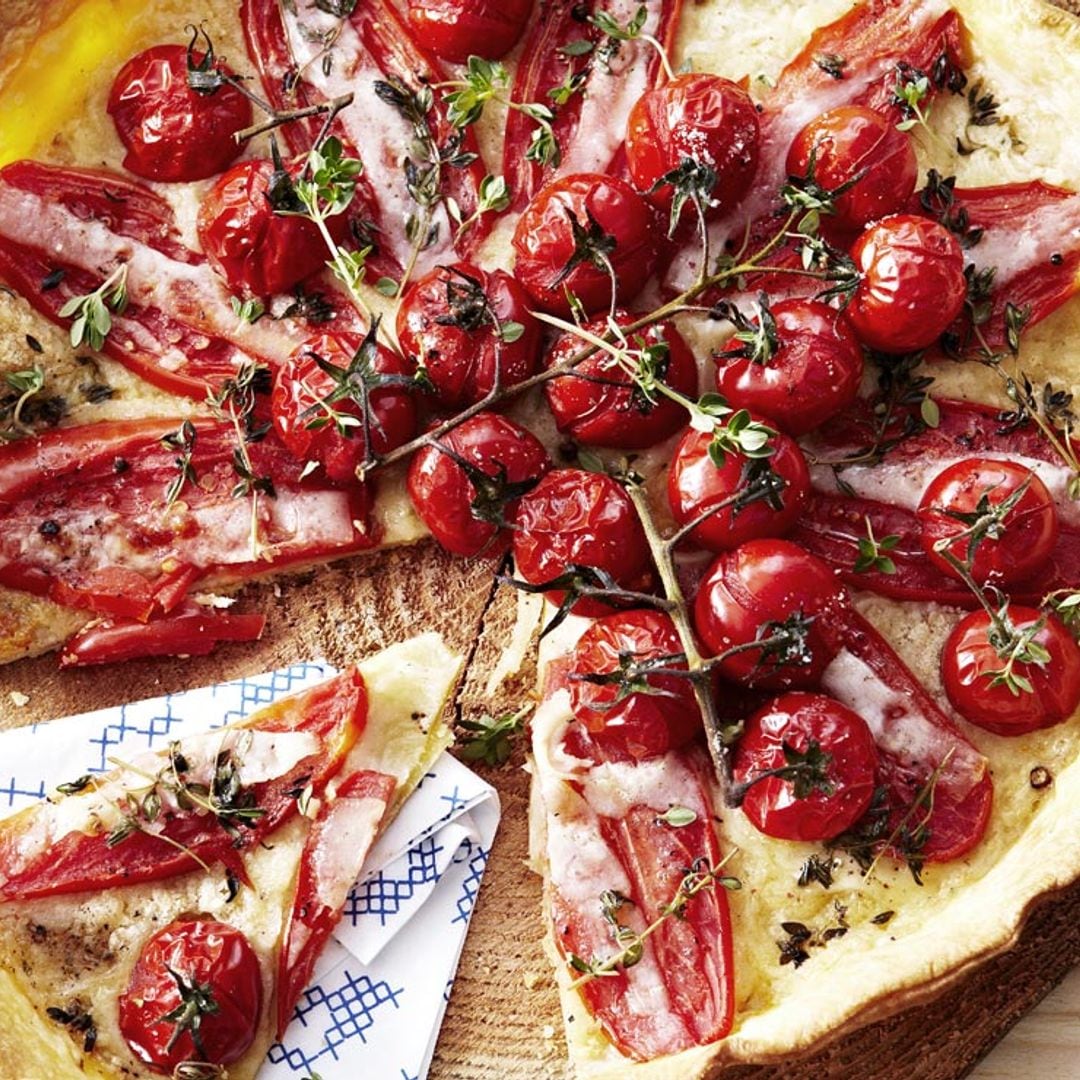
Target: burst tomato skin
<point>257,251</point>
<point>698,117</point>
<point>544,242</point>
<point>641,726</point>
<point>454,30</point>
<point>853,139</point>
<point>912,283</point>
<point>795,719</point>
<point>766,581</point>
<point>461,361</point>
<point>813,376</point>
<point>696,484</point>
<point>442,493</point>
<point>597,414</point>
<point>1030,529</point>
<point>213,954</point>
<point>300,384</point>
<point>170,132</point>
<point>585,519</point>
<point>969,661</point>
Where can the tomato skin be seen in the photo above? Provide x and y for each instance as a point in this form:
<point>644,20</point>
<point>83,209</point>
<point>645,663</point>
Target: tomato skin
<point>969,660</point>
<point>912,283</point>
<point>700,117</point>
<point>853,139</point>
<point>767,581</point>
<point>208,952</point>
<point>462,363</point>
<point>544,243</point>
<point>813,376</point>
<point>454,30</point>
<point>257,251</point>
<point>696,483</point>
<point>641,726</point>
<point>1030,528</point>
<point>584,518</point>
<point>795,719</point>
<point>442,493</point>
<point>300,384</point>
<point>595,414</point>
<point>171,132</point>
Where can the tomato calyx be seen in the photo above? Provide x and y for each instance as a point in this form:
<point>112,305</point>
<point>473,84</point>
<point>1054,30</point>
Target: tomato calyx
<point>807,770</point>
<point>493,491</point>
<point>196,1001</point>
<point>592,245</point>
<point>759,341</point>
<point>691,182</point>
<point>804,193</point>
<point>204,74</point>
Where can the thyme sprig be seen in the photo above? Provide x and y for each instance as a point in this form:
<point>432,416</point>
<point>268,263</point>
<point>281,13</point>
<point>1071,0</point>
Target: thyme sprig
<point>24,386</point>
<point>491,739</point>
<point>633,30</point>
<point>873,557</point>
<point>183,442</point>
<point>93,312</point>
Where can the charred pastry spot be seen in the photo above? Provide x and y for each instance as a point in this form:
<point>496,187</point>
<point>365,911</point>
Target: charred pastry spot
<point>1040,777</point>
<point>52,280</point>
<point>38,933</point>
<point>1056,259</point>
<point>49,527</point>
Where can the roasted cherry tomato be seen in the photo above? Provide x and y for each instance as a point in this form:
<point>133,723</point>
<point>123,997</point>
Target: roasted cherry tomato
<point>468,485</point>
<point>803,368</point>
<point>912,283</point>
<point>823,760</point>
<point>172,132</point>
<point>637,725</point>
<point>574,518</point>
<point>448,321</point>
<point>762,496</point>
<point>195,994</point>
<point>853,141</point>
<point>697,117</point>
<point>598,404</point>
<point>585,234</point>
<point>754,593</point>
<point>1040,693</point>
<point>332,432</point>
<point>256,250</point>
<point>454,30</point>
<point>1002,507</point>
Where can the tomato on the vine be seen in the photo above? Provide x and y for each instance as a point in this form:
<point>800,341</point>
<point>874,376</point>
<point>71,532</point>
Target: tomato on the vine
<point>599,404</point>
<point>854,141</point>
<point>1001,507</point>
<point>803,367</point>
<point>454,30</point>
<point>822,759</point>
<point>1012,699</point>
<point>315,427</point>
<point>773,592</point>
<point>577,519</point>
<point>467,486</point>
<point>170,131</point>
<point>695,117</point>
<point>464,324</point>
<point>639,724</point>
<point>760,495</point>
<point>911,286</point>
<point>585,234</point>
<point>195,994</point>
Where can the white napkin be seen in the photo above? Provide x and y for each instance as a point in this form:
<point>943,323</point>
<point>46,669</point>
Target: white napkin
<point>379,994</point>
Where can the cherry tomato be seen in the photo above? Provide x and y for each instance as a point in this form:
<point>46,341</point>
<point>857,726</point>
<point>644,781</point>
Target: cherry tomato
<point>811,375</point>
<point>338,442</point>
<point>211,968</point>
<point>446,323</point>
<point>766,582</point>
<point>170,131</point>
<point>613,412</point>
<point>697,117</point>
<point>579,518</point>
<point>1015,543</point>
<point>462,518</point>
<point>850,140</point>
<point>971,662</point>
<point>454,30</point>
<point>615,228</point>
<point>912,283</point>
<point>639,725</point>
<point>254,249</point>
<point>696,484</point>
<point>831,760</point>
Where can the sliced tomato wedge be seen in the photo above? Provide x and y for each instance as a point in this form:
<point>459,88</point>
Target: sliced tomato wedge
<point>334,853</point>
